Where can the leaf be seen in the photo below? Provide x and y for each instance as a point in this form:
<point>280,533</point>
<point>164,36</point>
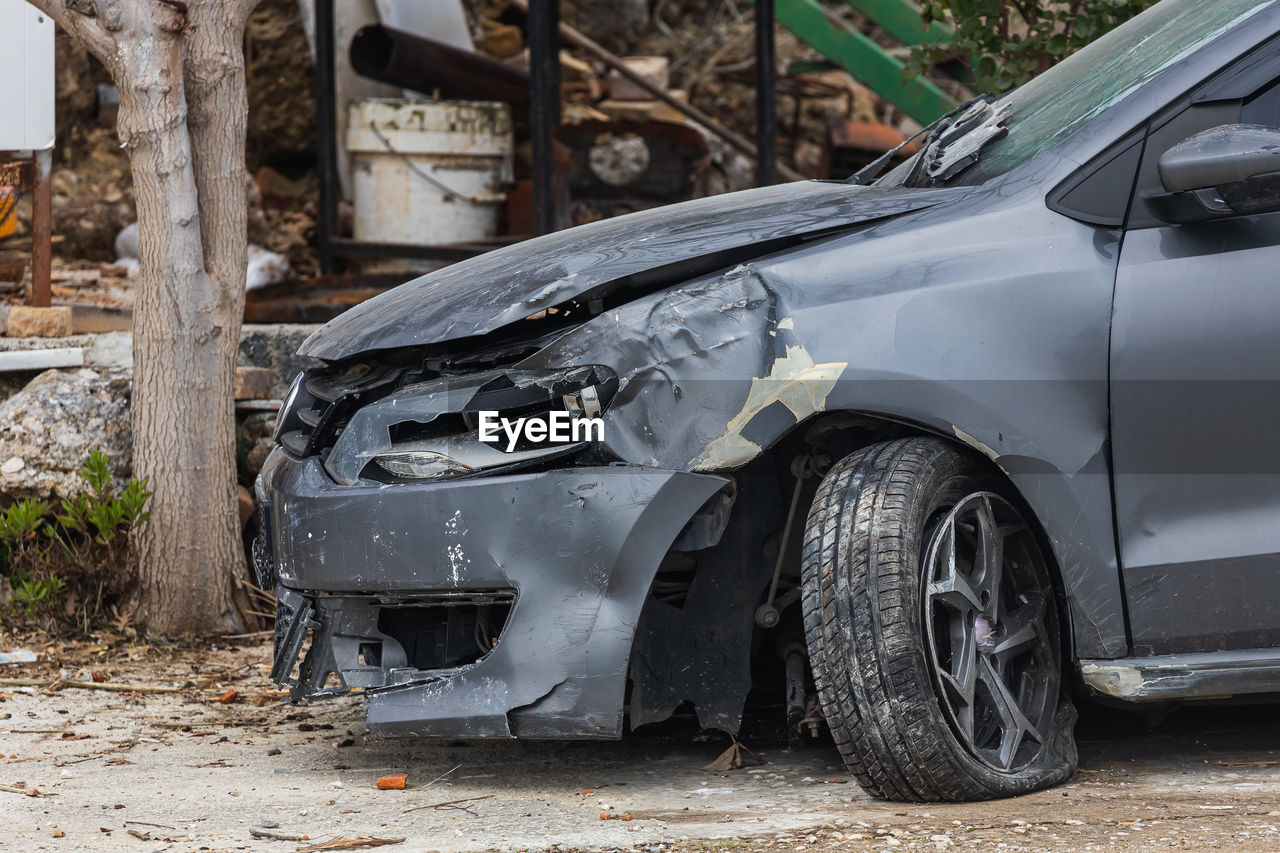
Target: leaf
<point>97,472</point>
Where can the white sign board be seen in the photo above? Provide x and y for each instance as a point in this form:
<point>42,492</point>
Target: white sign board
<point>26,78</point>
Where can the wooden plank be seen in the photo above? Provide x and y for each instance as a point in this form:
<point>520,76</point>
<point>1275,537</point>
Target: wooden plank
<point>41,359</point>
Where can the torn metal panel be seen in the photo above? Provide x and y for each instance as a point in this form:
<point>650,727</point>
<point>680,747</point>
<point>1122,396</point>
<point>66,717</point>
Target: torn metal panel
<point>355,552</point>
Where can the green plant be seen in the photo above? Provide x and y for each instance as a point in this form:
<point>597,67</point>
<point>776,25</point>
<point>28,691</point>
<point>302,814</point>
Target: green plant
<point>1004,43</point>
<point>28,594</point>
<point>83,551</point>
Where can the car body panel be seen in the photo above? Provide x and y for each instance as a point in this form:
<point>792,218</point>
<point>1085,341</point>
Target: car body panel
<point>670,243</point>
<point>1196,373</point>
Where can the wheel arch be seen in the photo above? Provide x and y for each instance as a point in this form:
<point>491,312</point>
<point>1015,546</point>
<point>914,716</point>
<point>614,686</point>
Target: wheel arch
<point>842,432</point>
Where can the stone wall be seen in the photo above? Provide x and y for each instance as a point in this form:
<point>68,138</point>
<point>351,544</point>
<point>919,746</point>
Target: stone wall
<point>51,420</point>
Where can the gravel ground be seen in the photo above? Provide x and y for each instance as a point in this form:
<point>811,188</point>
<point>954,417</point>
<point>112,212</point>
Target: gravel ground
<point>120,770</point>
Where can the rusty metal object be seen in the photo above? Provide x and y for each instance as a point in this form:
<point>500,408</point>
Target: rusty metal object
<point>739,142</point>
<point>316,300</point>
<point>676,169</point>
<point>405,60</point>
<point>34,173</point>
<point>853,144</point>
<point>41,232</point>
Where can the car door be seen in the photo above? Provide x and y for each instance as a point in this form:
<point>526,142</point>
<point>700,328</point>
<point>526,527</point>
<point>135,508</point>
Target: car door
<point>1195,400</point>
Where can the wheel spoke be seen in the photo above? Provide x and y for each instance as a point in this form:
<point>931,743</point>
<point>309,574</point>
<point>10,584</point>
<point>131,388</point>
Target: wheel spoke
<point>956,592</point>
<point>953,588</point>
<point>990,557</point>
<point>1023,628</point>
<point>1014,724</point>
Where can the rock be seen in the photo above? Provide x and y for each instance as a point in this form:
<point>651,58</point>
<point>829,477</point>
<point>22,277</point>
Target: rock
<point>618,159</point>
<point>110,349</point>
<point>276,348</point>
<point>24,321</point>
<point>265,267</point>
<point>126,243</point>
<point>48,428</point>
<point>393,782</point>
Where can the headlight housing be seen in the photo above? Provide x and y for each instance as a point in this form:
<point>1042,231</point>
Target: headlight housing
<point>432,430</point>
<point>289,409</point>
<point>420,465</point>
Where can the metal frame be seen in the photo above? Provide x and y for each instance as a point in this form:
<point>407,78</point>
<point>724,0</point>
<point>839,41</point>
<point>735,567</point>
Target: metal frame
<point>544,115</point>
<point>766,96</point>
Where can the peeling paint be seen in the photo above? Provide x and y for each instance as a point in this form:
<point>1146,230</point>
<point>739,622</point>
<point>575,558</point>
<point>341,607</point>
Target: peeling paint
<point>985,449</point>
<point>796,382</point>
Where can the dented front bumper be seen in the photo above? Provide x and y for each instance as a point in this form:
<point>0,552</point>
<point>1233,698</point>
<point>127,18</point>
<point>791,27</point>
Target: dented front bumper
<point>493,606</point>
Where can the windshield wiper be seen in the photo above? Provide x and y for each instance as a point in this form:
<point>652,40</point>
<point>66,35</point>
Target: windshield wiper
<point>959,146</point>
<point>871,171</point>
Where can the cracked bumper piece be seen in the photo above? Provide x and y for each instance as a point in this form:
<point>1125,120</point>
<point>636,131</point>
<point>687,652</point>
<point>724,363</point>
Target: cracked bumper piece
<point>1207,675</point>
<point>500,606</point>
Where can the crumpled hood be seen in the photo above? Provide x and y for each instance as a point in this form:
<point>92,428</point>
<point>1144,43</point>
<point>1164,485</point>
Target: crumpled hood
<point>485,293</point>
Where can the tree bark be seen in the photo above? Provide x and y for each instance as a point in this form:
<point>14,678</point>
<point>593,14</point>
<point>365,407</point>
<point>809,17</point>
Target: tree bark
<point>180,74</point>
<point>217,114</point>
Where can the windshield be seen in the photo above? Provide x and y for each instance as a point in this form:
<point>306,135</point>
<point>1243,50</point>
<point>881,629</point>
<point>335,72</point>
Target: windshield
<point>1053,105</point>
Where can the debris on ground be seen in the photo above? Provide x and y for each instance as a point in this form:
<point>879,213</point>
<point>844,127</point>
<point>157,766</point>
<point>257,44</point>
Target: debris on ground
<point>352,844</point>
<point>736,757</point>
<point>18,656</point>
<point>393,782</point>
<point>276,835</point>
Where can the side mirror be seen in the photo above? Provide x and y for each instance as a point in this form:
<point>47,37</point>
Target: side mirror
<point>1230,170</point>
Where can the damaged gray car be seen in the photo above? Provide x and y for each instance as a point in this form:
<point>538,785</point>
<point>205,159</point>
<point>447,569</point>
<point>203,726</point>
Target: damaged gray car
<point>917,456</point>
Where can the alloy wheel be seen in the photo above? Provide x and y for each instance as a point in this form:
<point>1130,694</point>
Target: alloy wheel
<point>990,631</point>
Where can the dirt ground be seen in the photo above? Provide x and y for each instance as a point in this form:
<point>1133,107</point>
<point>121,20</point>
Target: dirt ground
<point>121,769</point>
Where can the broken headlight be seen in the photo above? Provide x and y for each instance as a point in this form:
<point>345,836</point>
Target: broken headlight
<point>452,427</point>
<point>420,465</point>
<point>288,409</point>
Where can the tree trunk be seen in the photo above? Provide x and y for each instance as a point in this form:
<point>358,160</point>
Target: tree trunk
<point>217,113</point>
<point>183,441</point>
<point>188,171</point>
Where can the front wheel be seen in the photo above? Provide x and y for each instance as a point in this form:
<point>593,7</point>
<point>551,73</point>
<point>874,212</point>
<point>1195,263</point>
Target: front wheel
<point>932,628</point>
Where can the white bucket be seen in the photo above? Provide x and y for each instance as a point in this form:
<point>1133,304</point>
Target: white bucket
<point>427,172</point>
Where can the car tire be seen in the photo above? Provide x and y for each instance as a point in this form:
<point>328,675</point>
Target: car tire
<point>932,628</point>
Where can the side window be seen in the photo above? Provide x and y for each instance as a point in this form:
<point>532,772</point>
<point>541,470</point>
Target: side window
<point>1106,192</point>
<point>1247,93</point>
